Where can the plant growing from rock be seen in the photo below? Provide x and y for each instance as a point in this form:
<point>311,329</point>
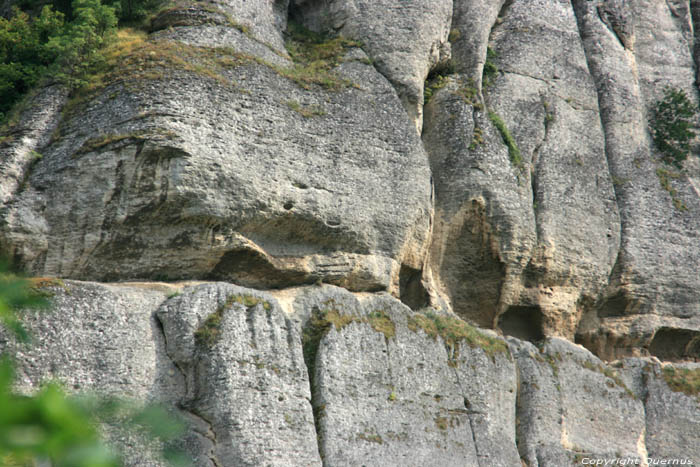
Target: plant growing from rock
<point>672,122</point>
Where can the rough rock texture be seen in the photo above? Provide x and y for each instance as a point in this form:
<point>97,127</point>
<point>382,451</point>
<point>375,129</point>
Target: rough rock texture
<point>535,236</point>
<point>21,145</point>
<point>571,405</point>
<point>531,201</point>
<point>386,388</point>
<point>400,397</point>
<point>654,282</point>
<point>310,204</point>
<point>404,39</point>
<point>245,375</point>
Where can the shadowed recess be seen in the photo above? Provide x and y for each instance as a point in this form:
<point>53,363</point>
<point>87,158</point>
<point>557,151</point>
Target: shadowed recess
<point>523,322</point>
<point>675,344</point>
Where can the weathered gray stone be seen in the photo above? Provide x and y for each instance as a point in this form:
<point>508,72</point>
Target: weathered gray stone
<point>404,39</point>
<point>571,405</point>
<point>672,417</point>
<point>21,144</point>
<point>103,340</point>
<point>245,374</point>
<point>525,233</point>
<point>386,393</point>
<point>98,337</point>
<point>472,21</point>
<point>161,156</point>
<point>654,282</point>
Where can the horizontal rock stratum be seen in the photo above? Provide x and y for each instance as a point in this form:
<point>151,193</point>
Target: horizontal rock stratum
<point>284,234</point>
<point>317,375</point>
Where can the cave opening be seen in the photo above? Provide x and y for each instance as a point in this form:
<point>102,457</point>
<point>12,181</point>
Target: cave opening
<point>411,290</point>
<point>675,344</point>
<point>523,322</point>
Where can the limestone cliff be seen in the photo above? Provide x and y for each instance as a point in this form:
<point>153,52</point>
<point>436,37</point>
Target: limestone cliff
<point>313,217</point>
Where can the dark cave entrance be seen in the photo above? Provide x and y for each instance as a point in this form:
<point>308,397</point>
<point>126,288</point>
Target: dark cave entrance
<point>523,322</point>
<point>675,344</point>
<point>411,289</point>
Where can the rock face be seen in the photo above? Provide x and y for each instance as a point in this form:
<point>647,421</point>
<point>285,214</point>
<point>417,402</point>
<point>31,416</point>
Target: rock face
<point>322,376</point>
<point>361,192</point>
<point>310,205</point>
<point>404,40</point>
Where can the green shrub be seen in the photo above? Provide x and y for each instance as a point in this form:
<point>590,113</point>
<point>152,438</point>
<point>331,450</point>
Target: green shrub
<point>672,124</point>
<point>513,151</point>
<point>490,68</point>
<point>25,54</point>
<point>134,11</point>
<point>32,48</point>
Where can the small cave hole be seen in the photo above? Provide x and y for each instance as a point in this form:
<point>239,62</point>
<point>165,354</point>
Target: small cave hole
<point>522,322</point>
<point>675,344</point>
<point>411,289</point>
<point>288,205</point>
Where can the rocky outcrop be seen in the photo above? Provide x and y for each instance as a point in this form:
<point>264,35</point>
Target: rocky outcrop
<point>310,205</point>
<point>534,226</point>
<point>357,188</point>
<point>404,40</point>
<point>649,287</point>
<point>319,375</point>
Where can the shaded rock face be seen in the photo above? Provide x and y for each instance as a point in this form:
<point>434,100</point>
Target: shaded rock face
<point>405,39</point>
<point>162,156</point>
<point>484,159</point>
<point>322,376</point>
<point>533,201</point>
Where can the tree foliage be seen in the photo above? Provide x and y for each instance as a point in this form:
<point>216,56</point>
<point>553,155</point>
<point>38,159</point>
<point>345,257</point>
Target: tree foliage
<point>48,44</point>
<point>673,120</point>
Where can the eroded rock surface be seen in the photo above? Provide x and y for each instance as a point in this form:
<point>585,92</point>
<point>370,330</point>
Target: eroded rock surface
<point>387,385</point>
<point>267,190</point>
<point>405,40</point>
<point>517,188</point>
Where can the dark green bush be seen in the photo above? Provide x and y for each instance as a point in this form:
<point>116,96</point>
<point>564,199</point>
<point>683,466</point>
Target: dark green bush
<point>135,11</point>
<point>672,124</point>
<point>48,44</point>
<point>490,68</point>
<point>25,54</point>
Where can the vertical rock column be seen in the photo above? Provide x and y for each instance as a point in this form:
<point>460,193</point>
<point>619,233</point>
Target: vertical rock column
<point>634,50</point>
<point>526,227</point>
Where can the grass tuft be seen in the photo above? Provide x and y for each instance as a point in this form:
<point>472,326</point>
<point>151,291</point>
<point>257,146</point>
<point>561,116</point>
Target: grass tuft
<point>454,331</point>
<point>513,151</point>
<point>665,177</point>
<point>315,56</point>
<point>682,380</point>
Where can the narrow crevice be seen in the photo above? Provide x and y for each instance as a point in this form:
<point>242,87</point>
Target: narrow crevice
<point>519,435</point>
<point>184,406</point>
<point>601,91</point>
<point>468,410</point>
<point>579,10</point>
<point>535,165</point>
<point>313,331</point>
<point>210,435</point>
<point>694,10</point>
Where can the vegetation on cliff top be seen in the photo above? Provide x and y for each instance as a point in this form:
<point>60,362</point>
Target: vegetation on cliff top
<point>60,44</point>
<point>683,380</point>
